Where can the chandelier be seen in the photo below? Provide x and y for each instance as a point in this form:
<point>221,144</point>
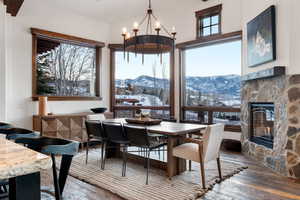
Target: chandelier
<point>151,41</point>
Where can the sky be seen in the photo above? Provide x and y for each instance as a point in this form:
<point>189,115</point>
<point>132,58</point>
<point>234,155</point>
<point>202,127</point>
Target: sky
<point>136,68</point>
<point>213,60</point>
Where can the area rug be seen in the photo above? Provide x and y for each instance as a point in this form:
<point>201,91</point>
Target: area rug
<point>133,187</point>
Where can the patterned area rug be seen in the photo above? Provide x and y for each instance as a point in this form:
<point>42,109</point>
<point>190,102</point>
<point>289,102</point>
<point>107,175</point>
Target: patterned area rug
<point>132,187</point>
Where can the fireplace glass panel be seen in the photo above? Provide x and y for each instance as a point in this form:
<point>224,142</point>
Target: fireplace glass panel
<point>262,124</point>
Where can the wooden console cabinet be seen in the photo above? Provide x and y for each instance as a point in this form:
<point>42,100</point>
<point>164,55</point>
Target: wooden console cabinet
<point>67,126</point>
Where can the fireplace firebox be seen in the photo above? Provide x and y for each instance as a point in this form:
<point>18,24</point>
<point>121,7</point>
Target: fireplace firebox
<point>262,124</point>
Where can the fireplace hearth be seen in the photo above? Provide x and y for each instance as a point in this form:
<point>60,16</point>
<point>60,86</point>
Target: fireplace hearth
<point>262,124</point>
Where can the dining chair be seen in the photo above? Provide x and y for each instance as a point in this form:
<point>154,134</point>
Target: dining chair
<point>14,133</point>
<point>204,149</point>
<point>96,133</point>
<point>54,146</point>
<point>115,134</point>
<point>4,125</point>
<point>139,137</point>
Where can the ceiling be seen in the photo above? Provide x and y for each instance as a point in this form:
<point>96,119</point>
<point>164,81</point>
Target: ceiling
<point>112,11</point>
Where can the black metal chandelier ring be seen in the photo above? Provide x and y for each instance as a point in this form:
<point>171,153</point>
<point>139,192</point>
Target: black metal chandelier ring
<point>149,44</point>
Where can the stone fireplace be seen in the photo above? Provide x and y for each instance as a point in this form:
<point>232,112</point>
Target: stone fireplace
<point>270,119</point>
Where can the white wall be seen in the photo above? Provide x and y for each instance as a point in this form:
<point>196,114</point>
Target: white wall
<point>182,15</point>
<point>16,58</point>
<point>294,36</point>
<point>2,63</point>
<point>42,14</point>
<point>284,11</point>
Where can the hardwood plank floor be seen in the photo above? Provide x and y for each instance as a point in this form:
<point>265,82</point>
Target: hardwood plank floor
<point>254,183</point>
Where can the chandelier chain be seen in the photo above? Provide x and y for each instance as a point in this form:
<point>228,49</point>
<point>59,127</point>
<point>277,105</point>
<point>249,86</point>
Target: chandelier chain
<point>143,20</point>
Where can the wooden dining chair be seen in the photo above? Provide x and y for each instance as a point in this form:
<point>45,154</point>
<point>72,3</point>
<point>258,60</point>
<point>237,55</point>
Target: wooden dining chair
<point>204,149</point>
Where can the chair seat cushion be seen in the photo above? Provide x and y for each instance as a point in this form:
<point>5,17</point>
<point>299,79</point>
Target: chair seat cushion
<point>188,151</point>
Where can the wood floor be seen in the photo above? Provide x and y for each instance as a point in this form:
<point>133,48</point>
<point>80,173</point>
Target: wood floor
<point>254,183</point>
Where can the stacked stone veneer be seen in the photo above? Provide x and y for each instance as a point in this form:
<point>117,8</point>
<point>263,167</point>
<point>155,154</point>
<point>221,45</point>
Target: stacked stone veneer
<point>284,92</point>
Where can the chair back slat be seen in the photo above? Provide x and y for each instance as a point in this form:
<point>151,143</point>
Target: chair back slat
<point>4,125</point>
<point>115,132</point>
<point>137,136</point>
<point>95,129</point>
<point>14,133</point>
<point>47,145</point>
<point>212,140</point>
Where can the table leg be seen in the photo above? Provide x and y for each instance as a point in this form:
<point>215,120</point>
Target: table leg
<point>175,165</point>
<point>25,187</point>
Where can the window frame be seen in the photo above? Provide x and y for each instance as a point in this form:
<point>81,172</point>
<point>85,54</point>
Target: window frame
<point>205,13</point>
<point>202,42</point>
<point>58,37</point>
<point>171,108</point>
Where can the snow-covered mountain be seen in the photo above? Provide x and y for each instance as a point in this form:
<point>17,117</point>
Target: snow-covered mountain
<point>229,84</point>
<point>144,81</point>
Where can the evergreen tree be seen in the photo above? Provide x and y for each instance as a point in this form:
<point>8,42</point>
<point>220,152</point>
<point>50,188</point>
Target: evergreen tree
<point>44,75</point>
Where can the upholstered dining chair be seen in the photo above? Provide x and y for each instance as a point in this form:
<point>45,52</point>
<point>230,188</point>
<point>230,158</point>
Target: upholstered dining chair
<point>204,149</point>
<point>5,125</point>
<point>54,146</point>
<point>14,133</point>
<point>96,133</point>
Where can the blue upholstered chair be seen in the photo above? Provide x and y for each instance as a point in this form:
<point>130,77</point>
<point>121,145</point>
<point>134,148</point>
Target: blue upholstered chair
<point>54,146</point>
<point>5,125</point>
<point>14,133</point>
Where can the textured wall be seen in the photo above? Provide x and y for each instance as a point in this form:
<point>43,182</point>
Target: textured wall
<point>284,92</point>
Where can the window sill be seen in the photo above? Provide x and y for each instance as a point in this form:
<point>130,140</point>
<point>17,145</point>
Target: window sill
<point>62,98</point>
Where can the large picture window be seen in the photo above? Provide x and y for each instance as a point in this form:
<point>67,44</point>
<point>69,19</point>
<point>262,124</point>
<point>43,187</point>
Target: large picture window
<point>65,67</point>
<point>211,82</point>
<point>140,83</point>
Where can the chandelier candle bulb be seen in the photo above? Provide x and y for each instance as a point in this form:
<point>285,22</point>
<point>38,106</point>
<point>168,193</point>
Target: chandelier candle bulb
<point>124,31</point>
<point>127,35</point>
<point>157,25</point>
<point>173,30</point>
<point>135,26</point>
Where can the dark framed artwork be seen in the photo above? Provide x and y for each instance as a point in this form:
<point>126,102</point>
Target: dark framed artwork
<point>261,35</point>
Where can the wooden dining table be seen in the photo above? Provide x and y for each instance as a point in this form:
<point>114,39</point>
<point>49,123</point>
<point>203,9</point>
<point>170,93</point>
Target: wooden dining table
<point>175,132</point>
<point>22,166</point>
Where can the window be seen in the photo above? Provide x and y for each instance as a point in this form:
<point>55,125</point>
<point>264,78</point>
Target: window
<point>65,67</point>
<point>211,81</point>
<point>209,21</point>
<point>145,86</point>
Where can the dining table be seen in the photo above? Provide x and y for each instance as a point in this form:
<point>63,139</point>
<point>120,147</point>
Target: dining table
<point>21,167</point>
<point>175,134</point>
